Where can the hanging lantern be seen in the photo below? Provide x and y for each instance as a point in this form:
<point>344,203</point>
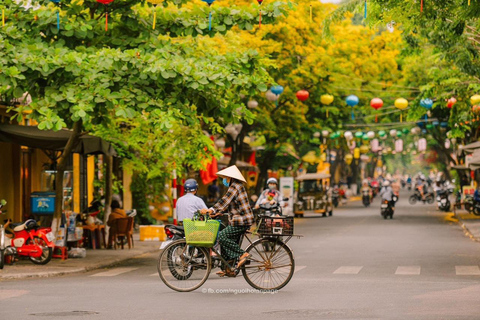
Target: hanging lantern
<point>376,103</point>
<point>415,130</point>
<point>370,134</point>
<point>447,144</point>
<point>325,133</point>
<point>252,104</point>
<point>401,104</point>
<point>56,2</point>
<point>426,103</point>
<point>399,145</point>
<point>271,96</point>
<point>475,99</point>
<point>375,145</point>
<point>209,2</point>
<point>405,131</point>
<point>451,102</point>
<point>155,3</point>
<point>365,138</point>
<point>317,134</point>
<point>443,124</point>
<point>358,134</point>
<point>352,101</point>
<point>302,95</point>
<point>435,123</point>
<point>399,134</point>
<point>393,133</point>
<point>476,109</point>
<point>326,99</point>
<point>422,145</point>
<point>356,153</point>
<point>105,3</point>
<point>364,149</point>
<point>382,134</point>
<point>348,135</point>
<point>348,159</point>
<point>259,13</point>
<point>278,90</point>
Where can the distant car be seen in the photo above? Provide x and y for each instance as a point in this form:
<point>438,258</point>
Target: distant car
<point>312,194</point>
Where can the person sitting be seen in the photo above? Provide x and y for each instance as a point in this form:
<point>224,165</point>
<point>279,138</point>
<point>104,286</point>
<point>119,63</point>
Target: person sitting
<point>117,213</point>
<point>189,204</point>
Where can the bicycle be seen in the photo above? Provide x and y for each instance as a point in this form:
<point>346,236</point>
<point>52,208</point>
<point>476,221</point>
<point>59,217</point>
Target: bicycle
<point>183,267</point>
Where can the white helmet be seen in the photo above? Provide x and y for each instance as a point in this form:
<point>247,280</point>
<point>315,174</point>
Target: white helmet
<point>386,183</point>
<point>272,180</point>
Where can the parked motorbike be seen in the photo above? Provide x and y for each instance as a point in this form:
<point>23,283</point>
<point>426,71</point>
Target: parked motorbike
<point>443,200</point>
<point>335,197</point>
<point>416,196</point>
<point>30,241</point>
<point>469,204</point>
<point>366,198</point>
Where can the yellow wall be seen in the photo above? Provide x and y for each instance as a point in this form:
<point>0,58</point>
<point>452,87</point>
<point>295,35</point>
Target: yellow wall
<point>90,176</point>
<point>127,194</point>
<point>9,181</point>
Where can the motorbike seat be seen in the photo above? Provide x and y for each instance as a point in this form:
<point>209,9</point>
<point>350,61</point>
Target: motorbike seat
<point>172,226</point>
<point>18,226</point>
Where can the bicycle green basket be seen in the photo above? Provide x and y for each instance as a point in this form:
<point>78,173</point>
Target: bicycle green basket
<point>201,233</point>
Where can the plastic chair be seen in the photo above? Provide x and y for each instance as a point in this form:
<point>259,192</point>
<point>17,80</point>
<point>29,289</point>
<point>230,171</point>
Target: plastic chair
<point>122,229</point>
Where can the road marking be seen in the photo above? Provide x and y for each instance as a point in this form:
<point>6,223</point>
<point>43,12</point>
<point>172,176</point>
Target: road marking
<point>467,270</point>
<point>299,268</point>
<point>6,294</point>
<point>113,272</point>
<point>408,270</point>
<point>348,270</point>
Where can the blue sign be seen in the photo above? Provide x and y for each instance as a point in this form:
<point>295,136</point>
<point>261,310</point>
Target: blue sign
<point>42,202</point>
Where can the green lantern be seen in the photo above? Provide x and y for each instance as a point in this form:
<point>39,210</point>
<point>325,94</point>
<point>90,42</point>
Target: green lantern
<point>382,133</point>
<point>358,134</point>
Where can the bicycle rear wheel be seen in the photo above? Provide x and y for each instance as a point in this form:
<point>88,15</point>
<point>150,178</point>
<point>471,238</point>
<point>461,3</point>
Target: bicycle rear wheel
<point>182,267</point>
<point>269,270</point>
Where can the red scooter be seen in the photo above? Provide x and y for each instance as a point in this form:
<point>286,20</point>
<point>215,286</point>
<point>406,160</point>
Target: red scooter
<point>29,240</point>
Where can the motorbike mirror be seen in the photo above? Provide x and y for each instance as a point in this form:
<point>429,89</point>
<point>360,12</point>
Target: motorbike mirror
<point>3,202</point>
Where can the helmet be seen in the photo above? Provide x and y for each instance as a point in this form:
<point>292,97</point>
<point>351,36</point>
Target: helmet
<point>386,183</point>
<point>190,185</point>
<point>30,224</point>
<point>365,181</point>
<point>272,180</point>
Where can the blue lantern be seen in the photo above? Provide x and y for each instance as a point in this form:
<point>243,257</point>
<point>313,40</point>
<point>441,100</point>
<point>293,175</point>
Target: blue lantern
<point>277,90</point>
<point>435,123</point>
<point>58,13</point>
<point>443,124</point>
<point>424,131</point>
<point>352,101</point>
<point>420,124</point>
<point>209,2</point>
<point>426,103</point>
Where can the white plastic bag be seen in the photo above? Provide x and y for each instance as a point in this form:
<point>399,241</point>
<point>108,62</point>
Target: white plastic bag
<point>77,253</point>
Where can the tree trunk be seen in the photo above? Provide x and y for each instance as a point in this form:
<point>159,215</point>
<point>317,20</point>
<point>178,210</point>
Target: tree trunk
<point>108,185</point>
<point>61,165</point>
<point>264,166</point>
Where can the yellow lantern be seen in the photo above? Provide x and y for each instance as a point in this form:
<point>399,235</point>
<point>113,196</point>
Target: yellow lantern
<point>379,163</point>
<point>401,104</point>
<point>155,3</point>
<point>356,153</point>
<point>326,99</point>
<point>364,149</point>
<point>475,99</point>
<point>348,159</point>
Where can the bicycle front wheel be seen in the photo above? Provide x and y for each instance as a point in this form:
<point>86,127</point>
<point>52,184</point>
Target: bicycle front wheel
<point>182,267</point>
<point>269,270</point>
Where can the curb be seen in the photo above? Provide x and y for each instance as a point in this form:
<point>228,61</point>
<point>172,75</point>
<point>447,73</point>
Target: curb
<point>451,217</point>
<point>72,271</point>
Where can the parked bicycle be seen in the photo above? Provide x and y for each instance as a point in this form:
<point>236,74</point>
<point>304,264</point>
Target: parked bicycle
<point>184,267</point>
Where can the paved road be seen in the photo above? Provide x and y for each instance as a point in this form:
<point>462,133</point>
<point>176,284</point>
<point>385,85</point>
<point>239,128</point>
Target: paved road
<point>354,265</point>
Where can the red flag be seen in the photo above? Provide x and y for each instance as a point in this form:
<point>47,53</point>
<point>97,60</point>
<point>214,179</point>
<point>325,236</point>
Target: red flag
<point>209,174</point>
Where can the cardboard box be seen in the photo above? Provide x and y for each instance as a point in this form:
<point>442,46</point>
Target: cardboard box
<point>152,233</point>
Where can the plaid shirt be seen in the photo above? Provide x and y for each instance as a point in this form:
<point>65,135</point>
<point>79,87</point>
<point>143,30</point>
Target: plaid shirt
<point>235,202</point>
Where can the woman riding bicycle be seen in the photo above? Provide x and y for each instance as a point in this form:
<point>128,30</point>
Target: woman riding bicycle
<point>235,202</point>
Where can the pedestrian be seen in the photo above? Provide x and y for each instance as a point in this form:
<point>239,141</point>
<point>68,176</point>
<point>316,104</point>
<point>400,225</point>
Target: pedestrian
<point>189,203</point>
<point>117,213</point>
<point>240,217</point>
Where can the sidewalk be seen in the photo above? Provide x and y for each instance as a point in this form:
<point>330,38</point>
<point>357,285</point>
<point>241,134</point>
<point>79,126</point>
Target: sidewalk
<point>468,221</point>
<point>95,259</point>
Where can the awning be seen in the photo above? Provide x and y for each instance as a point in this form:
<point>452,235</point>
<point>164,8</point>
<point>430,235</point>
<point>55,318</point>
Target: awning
<point>312,176</point>
<point>33,137</point>
<point>471,147</point>
<point>242,165</point>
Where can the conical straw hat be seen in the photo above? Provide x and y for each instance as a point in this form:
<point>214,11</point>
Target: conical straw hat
<point>231,172</point>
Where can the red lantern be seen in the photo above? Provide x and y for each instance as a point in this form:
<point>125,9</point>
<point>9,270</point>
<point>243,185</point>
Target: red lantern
<point>105,2</point>
<point>302,95</point>
<point>451,102</point>
<point>476,109</point>
<point>259,1</point>
<point>376,103</point>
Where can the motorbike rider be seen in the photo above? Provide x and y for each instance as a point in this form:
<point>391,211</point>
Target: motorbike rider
<point>366,189</point>
<point>240,216</point>
<point>189,203</point>
<point>387,194</point>
<point>421,186</point>
<point>270,195</point>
